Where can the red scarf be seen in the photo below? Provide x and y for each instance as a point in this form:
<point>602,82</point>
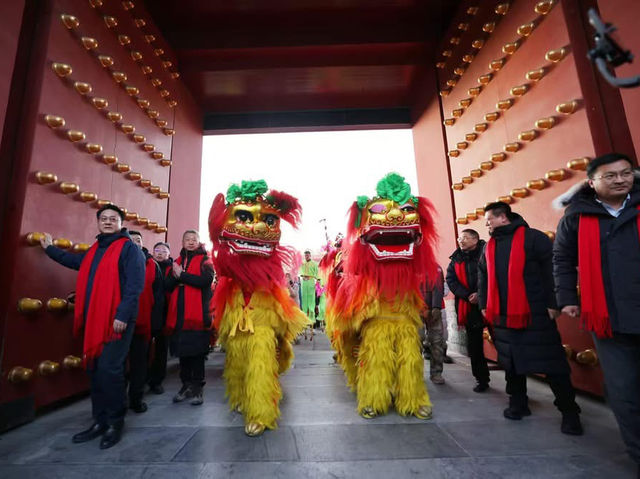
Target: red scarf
<point>594,312</point>
<point>518,312</point>
<point>193,314</point>
<point>464,306</point>
<point>143,321</point>
<point>103,302</point>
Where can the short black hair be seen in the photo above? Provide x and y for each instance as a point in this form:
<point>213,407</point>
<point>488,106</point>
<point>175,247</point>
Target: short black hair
<point>110,207</point>
<point>162,243</point>
<point>134,232</point>
<point>499,208</point>
<point>605,160</point>
<point>473,233</point>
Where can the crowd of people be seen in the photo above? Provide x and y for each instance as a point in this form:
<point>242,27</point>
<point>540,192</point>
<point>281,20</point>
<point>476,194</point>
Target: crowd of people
<point>142,305</point>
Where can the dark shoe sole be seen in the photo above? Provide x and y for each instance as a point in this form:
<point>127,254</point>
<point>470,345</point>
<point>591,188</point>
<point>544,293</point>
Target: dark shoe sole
<point>516,416</point>
<point>480,388</point>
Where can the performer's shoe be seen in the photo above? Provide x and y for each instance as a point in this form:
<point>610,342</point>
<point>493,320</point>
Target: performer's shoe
<point>447,359</point>
<point>254,429</point>
<point>368,413</point>
<point>111,437</point>
<point>424,412</point>
<point>437,379</point>
<point>184,393</point>
<point>516,413</point>
<point>138,407</point>
<point>571,424</point>
<point>481,387</point>
<point>237,409</point>
<point>94,431</point>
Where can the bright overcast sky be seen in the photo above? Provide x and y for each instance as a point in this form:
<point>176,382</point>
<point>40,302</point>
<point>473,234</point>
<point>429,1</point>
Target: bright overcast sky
<point>326,171</point>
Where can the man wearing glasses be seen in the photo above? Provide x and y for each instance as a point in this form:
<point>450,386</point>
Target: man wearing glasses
<point>598,247</point>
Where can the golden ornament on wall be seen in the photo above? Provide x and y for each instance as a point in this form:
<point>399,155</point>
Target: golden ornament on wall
<point>546,123</point>
<point>148,147</point>
<point>467,180</point>
<point>139,22</point>
<point>492,116</point>
<point>520,192</point>
<point>440,65</point>
<point>538,184</point>
<point>131,90</point>
<point>54,121</point>
<point>172,103</point>
<point>457,113</point>
<point>485,79</point>
<point>95,3</point>
<point>567,108</point>
<point>33,238</point>
<point>462,145</point>
<point>542,8</point>
<point>454,40</point>
<point>499,157</point>
<point>477,44</point>
<point>151,225</point>
<point>80,248</point>
<point>149,38</point>
<point>122,167</point>
<point>29,305</point>
<point>526,29</point>
<point>579,164</point>
<point>475,173</point>
<point>136,56</point>
<point>452,82</point>
<point>44,177</point>
<point>146,69</point>
<point>62,243</point>
<point>56,304</point>
<point>158,52</point>
<point>445,92</point>
<point>510,48</point>
<point>114,116</point>
<point>142,221</point>
<point>75,135</point>
<point>535,75</point>
<point>109,159</point>
<point>139,138</point>
<point>99,103</point>
<point>463,27</point>
<point>105,60</point>
<point>89,43</point>
<point>480,211</point>
<point>486,165</point>
<point>504,104</point>
<point>166,162</point>
<point>472,216</point>
<point>87,196</point>
<point>470,137</point>
<point>153,114</point>
<point>110,22</point>
<point>102,203</point>
<point>496,65</point>
<point>131,216</point>
<point>82,87</point>
<point>468,58</point>
<point>70,21</point>
<point>502,8</point>
<point>157,155</point>
<point>519,90</point>
<point>93,148</point>
<point>555,55</point>
<point>19,374</point>
<point>145,183</point>
<point>454,153</point>
<point>588,357</point>
<point>480,127</point>
<point>161,229</point>
<point>511,147</point>
<point>473,10</point>
<point>134,176</point>
<point>163,195</point>
<point>61,69</point>
<point>128,5</point>
<point>72,362</point>
<point>489,27</point>
<point>161,123</point>
<point>528,135</point>
<point>462,221</point>
<point>465,102</point>
<point>127,129</point>
<point>474,91</point>
<point>124,40</point>
<point>449,121</point>
<point>457,186</point>
<point>119,77</point>
<point>447,53</point>
<point>508,199</point>
<point>556,175</point>
<point>143,103</point>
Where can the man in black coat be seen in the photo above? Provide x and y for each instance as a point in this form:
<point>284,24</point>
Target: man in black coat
<point>462,278</point>
<point>603,214</point>
<point>522,307</point>
<point>106,370</point>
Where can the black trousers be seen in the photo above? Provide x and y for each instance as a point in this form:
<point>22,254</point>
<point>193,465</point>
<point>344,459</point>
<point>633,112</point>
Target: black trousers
<point>475,347</point>
<point>565,395</point>
<point>106,375</point>
<point>138,354</point>
<point>158,367</point>
<point>192,370</point>
<point>620,360</point>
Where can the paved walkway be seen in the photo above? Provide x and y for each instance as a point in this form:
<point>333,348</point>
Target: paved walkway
<point>321,435</point>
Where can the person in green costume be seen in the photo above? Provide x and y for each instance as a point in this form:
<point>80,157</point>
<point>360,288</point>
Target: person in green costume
<point>309,274</point>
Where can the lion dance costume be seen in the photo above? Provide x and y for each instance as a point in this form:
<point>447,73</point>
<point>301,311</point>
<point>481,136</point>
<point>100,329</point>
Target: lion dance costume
<point>254,315</point>
<point>374,310</point>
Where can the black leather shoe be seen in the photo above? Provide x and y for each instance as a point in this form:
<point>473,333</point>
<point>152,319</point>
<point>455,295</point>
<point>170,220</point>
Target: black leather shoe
<point>481,387</point>
<point>139,407</point>
<point>111,437</point>
<point>94,431</point>
<point>516,413</point>
<point>571,424</point>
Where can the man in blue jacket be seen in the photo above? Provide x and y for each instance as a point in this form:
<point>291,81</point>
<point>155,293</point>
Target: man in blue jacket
<point>110,280</point>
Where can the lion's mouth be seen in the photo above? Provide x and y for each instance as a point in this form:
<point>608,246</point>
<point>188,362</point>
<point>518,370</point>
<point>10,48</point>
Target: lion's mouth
<point>242,245</point>
<point>392,243</point>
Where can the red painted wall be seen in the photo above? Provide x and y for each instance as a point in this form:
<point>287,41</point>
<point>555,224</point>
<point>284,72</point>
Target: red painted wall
<point>10,23</point>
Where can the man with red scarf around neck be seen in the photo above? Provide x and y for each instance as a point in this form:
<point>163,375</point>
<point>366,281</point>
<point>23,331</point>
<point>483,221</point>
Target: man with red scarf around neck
<point>188,283</point>
<point>515,293</point>
<point>110,280</point>
<point>462,278</point>
<point>597,245</point>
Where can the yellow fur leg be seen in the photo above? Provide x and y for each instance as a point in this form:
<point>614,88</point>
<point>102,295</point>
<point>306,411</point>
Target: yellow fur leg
<point>235,370</point>
<point>344,345</point>
<point>262,388</point>
<point>286,356</point>
<point>411,393</point>
<point>376,360</point>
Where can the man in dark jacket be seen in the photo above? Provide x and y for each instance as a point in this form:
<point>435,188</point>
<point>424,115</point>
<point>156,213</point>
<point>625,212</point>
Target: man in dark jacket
<point>597,246</point>
<point>151,305</point>
<point>433,296</point>
<point>515,292</point>
<point>110,280</point>
<point>189,318</point>
<point>462,278</point>
<point>158,366</point>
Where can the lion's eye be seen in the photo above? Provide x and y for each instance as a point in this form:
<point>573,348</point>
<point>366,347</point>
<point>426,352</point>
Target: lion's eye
<point>244,216</point>
<point>377,209</point>
<point>270,220</point>
<point>408,208</point>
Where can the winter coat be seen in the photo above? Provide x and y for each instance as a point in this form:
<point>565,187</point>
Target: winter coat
<point>191,342</point>
<point>620,256</point>
<point>470,258</point>
<point>536,348</point>
<point>131,269</point>
<point>157,316</point>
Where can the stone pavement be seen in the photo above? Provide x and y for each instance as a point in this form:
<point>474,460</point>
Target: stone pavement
<point>320,435</point>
